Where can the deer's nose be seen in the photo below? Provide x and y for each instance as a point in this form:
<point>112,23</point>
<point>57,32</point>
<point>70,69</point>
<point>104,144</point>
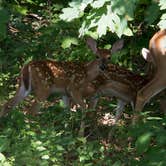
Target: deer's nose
<point>103,66</point>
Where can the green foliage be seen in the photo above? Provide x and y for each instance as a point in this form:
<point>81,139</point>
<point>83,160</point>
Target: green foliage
<point>103,15</point>
<point>150,141</point>
<point>51,29</point>
<point>143,142</point>
<point>49,143</point>
<point>52,139</point>
<point>151,18</point>
<point>162,22</point>
<point>4,17</point>
<point>116,16</point>
<point>162,4</point>
<point>66,43</point>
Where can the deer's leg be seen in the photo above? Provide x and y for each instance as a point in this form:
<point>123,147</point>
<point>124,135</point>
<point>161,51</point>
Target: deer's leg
<point>35,107</point>
<point>77,98</point>
<point>151,89</point>
<point>41,94</point>
<point>93,102</point>
<point>21,93</point>
<point>119,109</point>
<point>66,101</point>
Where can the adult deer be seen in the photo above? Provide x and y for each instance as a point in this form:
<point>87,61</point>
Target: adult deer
<point>157,55</point>
<point>68,78</point>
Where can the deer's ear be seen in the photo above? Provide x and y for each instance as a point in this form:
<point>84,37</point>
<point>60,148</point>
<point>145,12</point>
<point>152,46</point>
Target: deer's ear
<point>118,45</point>
<point>146,54</point>
<point>92,44</point>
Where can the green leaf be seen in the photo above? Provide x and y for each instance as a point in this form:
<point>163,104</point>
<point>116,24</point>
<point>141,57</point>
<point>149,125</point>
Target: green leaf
<point>45,157</point>
<point>67,42</point>
<point>152,13</point>
<point>20,9</point>
<point>4,143</point>
<point>117,163</point>
<point>83,29</point>
<point>124,8</point>
<point>120,27</point>
<point>154,157</point>
<point>162,4</point>
<point>69,14</point>
<point>84,4</point>
<point>102,25</point>
<point>59,148</point>
<point>41,148</point>
<point>99,3</point>
<point>75,3</point>
<point>4,16</point>
<point>3,31</point>
<point>163,17</point>
<point>82,158</point>
<point>128,32</point>
<point>82,139</point>
<point>154,118</point>
<point>2,157</point>
<point>143,142</point>
<point>162,22</point>
<point>30,1</point>
<point>161,139</point>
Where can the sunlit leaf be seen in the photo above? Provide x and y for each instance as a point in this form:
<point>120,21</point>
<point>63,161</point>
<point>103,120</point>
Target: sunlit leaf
<point>102,25</point>
<point>83,158</point>
<point>30,1</point>
<point>98,3</point>
<point>84,4</point>
<point>45,157</point>
<point>124,8</point>
<point>120,27</point>
<point>143,142</point>
<point>41,148</point>
<point>83,29</point>
<point>154,118</point>
<point>69,14</point>
<point>75,3</point>
<point>67,42</point>
<point>21,9</point>
<point>128,32</point>
<point>112,19</point>
<point>162,4</point>
<point>2,157</point>
<point>162,22</point>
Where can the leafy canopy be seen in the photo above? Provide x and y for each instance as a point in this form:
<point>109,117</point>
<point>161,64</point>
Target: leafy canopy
<point>100,16</point>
